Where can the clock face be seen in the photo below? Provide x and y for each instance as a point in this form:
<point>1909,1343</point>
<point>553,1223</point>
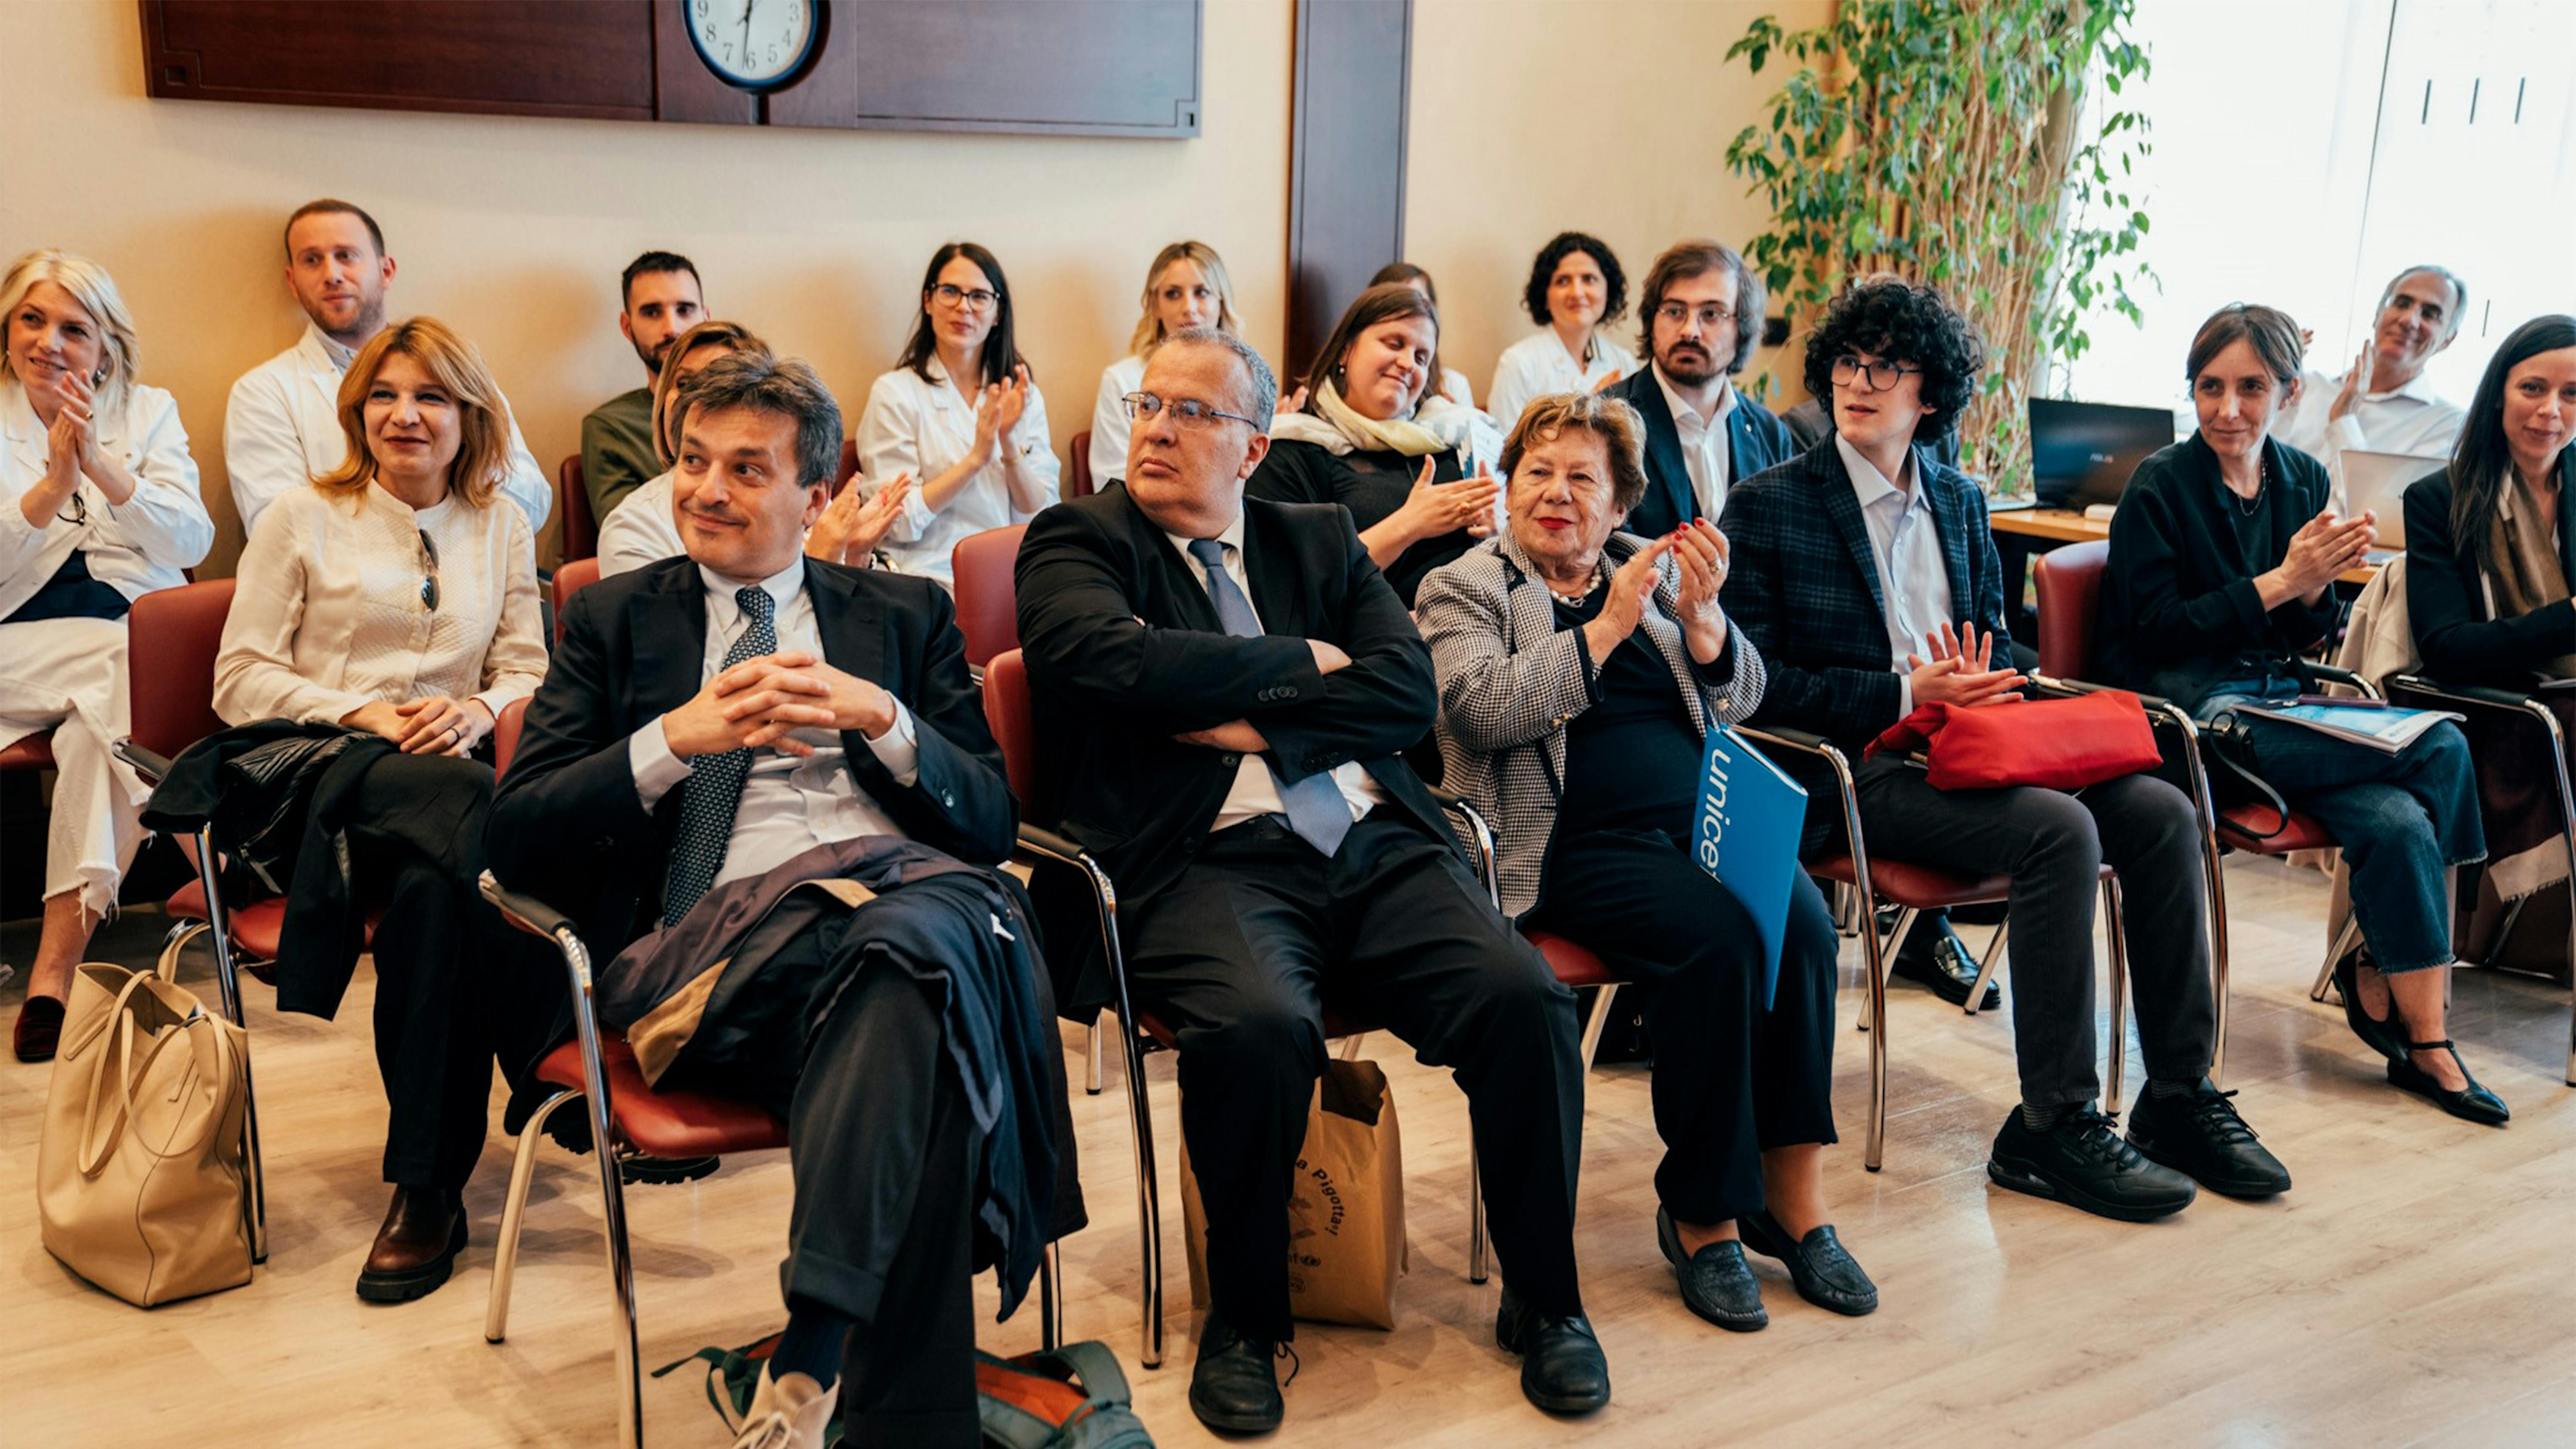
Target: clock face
<point>754,45</point>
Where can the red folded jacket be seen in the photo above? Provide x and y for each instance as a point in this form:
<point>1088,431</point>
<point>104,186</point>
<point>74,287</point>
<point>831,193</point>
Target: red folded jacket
<point>2063,744</point>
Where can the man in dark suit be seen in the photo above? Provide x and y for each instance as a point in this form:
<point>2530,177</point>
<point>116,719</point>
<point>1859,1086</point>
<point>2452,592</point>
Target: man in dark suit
<point>1702,314</point>
<point>1866,574</point>
<point>1227,684</point>
<point>711,719</point>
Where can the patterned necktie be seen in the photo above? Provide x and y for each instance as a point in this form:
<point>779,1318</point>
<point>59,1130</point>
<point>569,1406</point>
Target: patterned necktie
<point>713,791</point>
<point>1315,808</point>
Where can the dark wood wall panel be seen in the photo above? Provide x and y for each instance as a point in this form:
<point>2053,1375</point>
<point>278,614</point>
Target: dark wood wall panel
<point>560,58</point>
<point>1346,174</point>
<point>1103,66</point>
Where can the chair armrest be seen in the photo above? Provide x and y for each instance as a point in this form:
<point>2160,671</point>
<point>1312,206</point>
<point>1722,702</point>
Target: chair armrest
<point>1045,843</point>
<point>1795,739</point>
<point>2337,674</point>
<point>2483,694</point>
<point>154,768</point>
<point>525,911</point>
<point>2155,703</point>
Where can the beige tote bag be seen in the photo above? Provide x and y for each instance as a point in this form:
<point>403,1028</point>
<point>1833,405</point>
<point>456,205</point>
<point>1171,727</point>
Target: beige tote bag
<point>140,1173</point>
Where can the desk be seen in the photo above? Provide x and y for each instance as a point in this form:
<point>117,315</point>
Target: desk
<point>2050,527</point>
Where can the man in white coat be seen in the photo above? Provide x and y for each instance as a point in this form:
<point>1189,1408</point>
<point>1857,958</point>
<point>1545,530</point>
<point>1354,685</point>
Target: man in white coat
<point>283,426</point>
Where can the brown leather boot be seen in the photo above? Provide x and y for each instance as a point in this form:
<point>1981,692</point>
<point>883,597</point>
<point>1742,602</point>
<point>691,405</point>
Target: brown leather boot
<point>416,1248</point>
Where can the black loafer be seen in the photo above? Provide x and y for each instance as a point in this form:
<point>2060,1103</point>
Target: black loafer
<point>1824,1273</point>
<point>2083,1163</point>
<point>1934,956</point>
<point>1716,1281</point>
<point>1562,1367</point>
<point>2472,1103</point>
<point>1234,1388</point>
<point>2199,1135</point>
<point>2383,1037</point>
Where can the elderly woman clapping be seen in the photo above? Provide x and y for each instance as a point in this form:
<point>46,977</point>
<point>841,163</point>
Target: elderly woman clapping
<point>1580,672</point>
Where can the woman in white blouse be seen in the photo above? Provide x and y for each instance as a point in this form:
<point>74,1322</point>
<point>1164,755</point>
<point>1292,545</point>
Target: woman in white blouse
<point>98,504</point>
<point>960,413</point>
<point>395,597</point>
<point>1575,285</point>
<point>1186,287</point>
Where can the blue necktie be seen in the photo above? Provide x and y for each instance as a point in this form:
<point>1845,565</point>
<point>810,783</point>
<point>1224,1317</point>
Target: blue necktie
<point>1316,811</point>
<point>713,791</point>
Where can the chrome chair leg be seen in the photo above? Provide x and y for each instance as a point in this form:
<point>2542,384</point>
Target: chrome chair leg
<point>1986,965</point>
<point>2343,942</point>
<point>1476,1253</point>
<point>228,986</point>
<point>1051,1296</point>
<point>1873,1008</point>
<point>1595,1024</point>
<point>505,1249</point>
<point>1092,1050</point>
<point>1149,1212</point>
<point>2118,934</point>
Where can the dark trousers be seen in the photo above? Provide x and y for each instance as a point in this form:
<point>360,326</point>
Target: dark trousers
<point>1732,1079</point>
<point>2053,844</point>
<point>1239,954</point>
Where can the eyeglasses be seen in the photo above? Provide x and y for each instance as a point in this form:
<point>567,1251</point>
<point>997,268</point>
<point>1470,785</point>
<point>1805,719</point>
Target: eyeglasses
<point>1880,375</point>
<point>1191,412</point>
<point>977,300</point>
<point>75,512</point>
<point>1711,315</point>
<point>428,572</point>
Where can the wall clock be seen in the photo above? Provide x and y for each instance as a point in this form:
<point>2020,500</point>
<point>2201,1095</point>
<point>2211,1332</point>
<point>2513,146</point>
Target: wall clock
<point>756,46</point>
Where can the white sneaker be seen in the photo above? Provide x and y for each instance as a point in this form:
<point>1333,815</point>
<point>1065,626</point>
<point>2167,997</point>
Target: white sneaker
<point>790,1413</point>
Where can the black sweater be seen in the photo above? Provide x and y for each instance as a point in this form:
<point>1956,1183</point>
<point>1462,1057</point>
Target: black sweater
<point>2446,599</point>
<point>1371,484</point>
<point>2179,609</point>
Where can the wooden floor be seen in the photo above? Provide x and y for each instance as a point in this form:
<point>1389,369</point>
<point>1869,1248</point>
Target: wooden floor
<point>2415,1287</point>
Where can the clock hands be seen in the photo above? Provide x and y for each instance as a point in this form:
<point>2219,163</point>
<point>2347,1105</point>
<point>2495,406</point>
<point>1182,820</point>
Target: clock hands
<point>746,27</point>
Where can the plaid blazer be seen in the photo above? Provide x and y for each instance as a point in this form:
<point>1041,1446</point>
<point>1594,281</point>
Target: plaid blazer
<point>1803,585</point>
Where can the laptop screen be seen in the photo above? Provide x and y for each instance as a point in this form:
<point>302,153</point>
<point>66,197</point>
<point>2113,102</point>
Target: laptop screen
<point>2083,453</point>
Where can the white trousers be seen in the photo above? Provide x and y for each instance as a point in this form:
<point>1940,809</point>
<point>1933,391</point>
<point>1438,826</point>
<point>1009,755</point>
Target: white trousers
<point>68,675</point>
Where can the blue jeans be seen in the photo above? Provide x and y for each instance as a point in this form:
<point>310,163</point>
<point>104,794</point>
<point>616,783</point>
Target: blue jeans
<point>2401,819</point>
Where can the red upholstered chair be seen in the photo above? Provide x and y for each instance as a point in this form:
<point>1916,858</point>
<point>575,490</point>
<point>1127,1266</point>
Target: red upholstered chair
<point>572,502</point>
<point>1078,481</point>
<point>600,1070</point>
<point>570,579</point>
<point>35,752</point>
<point>987,600</point>
<point>849,463</point>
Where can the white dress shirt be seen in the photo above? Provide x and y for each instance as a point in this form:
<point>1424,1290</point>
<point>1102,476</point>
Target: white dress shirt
<point>1906,540</point>
<point>2407,419</point>
<point>1704,448</point>
<point>789,804</point>
<point>1539,364</point>
<point>926,428</point>
<point>640,530</point>
<point>329,616</point>
<point>1109,421</point>
<point>1256,792</point>
<point>282,430</point>
<point>134,547</point>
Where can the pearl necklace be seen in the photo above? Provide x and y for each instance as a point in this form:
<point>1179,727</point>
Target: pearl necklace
<point>1572,600</point>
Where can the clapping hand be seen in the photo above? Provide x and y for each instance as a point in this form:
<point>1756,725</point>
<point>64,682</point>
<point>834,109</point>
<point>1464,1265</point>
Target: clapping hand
<point>1433,509</point>
<point>1703,555</point>
<point>2325,546</point>
<point>1958,673</point>
<point>852,525</point>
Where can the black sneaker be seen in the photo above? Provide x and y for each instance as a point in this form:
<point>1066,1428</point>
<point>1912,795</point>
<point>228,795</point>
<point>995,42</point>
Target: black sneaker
<point>2083,1163</point>
<point>2199,1133</point>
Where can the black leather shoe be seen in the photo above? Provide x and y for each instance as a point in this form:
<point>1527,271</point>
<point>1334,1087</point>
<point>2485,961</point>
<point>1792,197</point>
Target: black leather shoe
<point>1716,1281</point>
<point>1562,1367</point>
<point>2200,1135</point>
<point>2474,1103</point>
<point>1824,1273</point>
<point>2083,1163</point>
<point>2384,1037</point>
<point>663,1171</point>
<point>1934,956</point>
<point>416,1248</point>
<point>1234,1388</point>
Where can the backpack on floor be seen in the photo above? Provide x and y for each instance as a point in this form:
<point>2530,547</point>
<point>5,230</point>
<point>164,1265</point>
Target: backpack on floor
<point>1074,1397</point>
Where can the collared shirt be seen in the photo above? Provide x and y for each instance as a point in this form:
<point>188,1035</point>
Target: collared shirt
<point>927,428</point>
<point>1255,793</point>
<point>2407,419</point>
<point>789,805</point>
<point>1704,450</point>
<point>1538,365</point>
<point>1906,540</point>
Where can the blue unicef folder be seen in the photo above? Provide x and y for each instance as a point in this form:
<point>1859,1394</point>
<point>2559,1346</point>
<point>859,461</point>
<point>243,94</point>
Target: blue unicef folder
<point>1745,833</point>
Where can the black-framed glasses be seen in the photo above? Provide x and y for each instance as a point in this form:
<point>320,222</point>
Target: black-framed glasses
<point>1711,315</point>
<point>976,300</point>
<point>428,572</point>
<point>1880,375</point>
<point>1191,412</point>
<point>74,512</point>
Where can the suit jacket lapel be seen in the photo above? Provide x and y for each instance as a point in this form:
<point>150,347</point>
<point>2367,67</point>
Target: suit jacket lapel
<point>1273,574</point>
<point>1958,549</point>
<point>667,629</point>
<point>1180,576</point>
<point>853,628</point>
<point>1833,489</point>
<point>1664,446</point>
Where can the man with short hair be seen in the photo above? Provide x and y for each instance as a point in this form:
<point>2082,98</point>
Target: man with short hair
<point>718,734</point>
<point>658,300</point>
<point>282,424</point>
<point>2380,403</point>
<point>1701,311</point>
<point>1229,684</point>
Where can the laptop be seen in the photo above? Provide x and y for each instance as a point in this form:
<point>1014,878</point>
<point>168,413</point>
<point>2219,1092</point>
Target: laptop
<point>2377,482</point>
<point>2083,453</point>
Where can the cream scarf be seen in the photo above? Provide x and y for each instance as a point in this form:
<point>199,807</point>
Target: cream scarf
<point>1437,426</point>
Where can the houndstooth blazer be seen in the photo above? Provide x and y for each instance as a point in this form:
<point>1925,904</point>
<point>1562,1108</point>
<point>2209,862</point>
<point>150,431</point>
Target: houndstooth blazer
<point>1510,680</point>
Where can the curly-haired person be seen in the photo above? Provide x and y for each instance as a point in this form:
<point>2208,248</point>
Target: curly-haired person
<point>1575,286</point>
<point>1883,558</point>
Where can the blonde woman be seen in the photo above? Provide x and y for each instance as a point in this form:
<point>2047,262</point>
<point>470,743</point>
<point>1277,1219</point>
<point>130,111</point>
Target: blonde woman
<point>393,598</point>
<point>1186,287</point>
<point>98,504</point>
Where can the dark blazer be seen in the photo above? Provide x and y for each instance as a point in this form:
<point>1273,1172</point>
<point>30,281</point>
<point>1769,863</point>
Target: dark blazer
<point>1755,440</point>
<point>567,825</point>
<point>1804,587</point>
<point>1124,651</point>
<point>2446,600</point>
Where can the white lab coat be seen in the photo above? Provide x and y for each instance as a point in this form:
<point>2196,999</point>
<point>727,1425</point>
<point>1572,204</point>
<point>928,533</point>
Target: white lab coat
<point>1538,365</point>
<point>924,428</point>
<point>282,429</point>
